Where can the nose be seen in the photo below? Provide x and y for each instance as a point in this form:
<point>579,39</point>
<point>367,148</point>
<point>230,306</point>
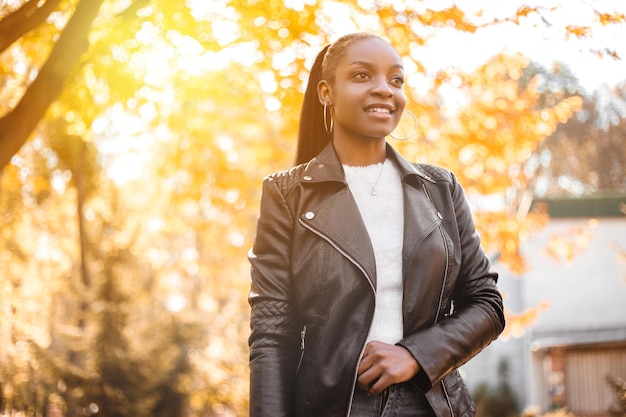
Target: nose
<point>382,88</point>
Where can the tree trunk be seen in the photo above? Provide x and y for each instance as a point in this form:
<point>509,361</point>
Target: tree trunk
<point>17,125</point>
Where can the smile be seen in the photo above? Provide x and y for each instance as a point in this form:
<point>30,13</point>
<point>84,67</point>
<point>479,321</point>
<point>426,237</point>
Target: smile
<point>379,110</point>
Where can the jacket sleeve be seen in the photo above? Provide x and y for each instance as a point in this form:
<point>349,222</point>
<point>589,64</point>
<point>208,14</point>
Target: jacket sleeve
<point>478,316</point>
<point>273,340</point>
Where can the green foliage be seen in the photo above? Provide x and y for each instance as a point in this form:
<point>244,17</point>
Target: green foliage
<point>498,401</point>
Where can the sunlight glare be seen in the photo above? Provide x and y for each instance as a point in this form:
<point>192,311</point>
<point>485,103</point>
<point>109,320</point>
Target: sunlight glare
<point>272,104</point>
<point>298,5</point>
<point>175,303</point>
<point>125,168</point>
<point>206,10</point>
<point>57,182</point>
<point>237,239</point>
<point>124,142</point>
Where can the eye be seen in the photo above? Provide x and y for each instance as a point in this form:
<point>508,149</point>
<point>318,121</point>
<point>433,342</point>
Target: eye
<point>397,81</point>
<point>362,75</point>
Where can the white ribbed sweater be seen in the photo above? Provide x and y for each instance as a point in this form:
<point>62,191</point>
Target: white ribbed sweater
<point>383,216</point>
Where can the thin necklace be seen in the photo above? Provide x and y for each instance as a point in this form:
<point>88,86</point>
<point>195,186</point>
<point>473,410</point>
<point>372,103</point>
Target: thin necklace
<point>373,186</point>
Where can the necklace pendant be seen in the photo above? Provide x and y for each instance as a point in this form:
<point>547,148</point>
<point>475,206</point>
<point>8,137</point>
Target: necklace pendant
<point>373,191</point>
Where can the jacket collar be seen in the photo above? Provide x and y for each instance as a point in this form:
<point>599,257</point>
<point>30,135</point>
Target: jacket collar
<point>326,166</point>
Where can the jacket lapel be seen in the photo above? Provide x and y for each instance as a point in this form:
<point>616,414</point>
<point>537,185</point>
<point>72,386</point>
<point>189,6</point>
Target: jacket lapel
<point>339,221</point>
<point>420,219</point>
<point>420,215</point>
<point>336,217</point>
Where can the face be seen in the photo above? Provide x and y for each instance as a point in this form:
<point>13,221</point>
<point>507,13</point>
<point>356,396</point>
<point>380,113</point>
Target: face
<point>366,96</point>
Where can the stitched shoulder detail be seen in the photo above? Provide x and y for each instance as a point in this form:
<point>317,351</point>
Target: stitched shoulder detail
<point>436,173</point>
<point>287,179</point>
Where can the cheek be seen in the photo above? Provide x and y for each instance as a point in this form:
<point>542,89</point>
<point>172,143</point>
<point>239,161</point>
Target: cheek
<point>401,105</point>
<point>346,102</point>
<point>401,100</point>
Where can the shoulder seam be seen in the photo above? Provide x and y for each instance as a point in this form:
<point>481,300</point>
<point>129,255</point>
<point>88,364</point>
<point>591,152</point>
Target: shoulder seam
<point>287,179</point>
<point>436,173</point>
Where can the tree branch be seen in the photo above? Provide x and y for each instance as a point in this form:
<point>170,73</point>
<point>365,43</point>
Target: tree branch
<point>17,125</point>
<point>23,20</point>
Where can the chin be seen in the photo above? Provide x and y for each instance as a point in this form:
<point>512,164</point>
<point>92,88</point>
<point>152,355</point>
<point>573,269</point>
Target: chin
<point>381,133</point>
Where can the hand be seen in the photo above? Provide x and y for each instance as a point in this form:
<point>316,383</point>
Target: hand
<point>383,365</point>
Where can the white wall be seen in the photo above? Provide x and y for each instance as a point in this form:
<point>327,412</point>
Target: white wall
<point>587,293</point>
<point>586,297</point>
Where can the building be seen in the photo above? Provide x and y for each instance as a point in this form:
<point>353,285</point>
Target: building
<point>579,339</point>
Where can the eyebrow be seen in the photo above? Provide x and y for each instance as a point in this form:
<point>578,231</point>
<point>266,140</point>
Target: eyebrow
<point>369,64</point>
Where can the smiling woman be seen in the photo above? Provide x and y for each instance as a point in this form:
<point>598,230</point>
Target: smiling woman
<point>360,258</point>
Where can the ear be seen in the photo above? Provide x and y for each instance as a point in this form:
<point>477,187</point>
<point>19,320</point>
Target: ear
<point>324,93</point>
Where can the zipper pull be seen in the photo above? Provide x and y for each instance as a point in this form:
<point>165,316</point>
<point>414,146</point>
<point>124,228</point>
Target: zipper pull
<point>302,336</point>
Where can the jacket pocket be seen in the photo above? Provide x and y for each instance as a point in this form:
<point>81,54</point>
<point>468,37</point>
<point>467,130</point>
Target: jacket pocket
<point>309,332</point>
<point>304,392</point>
<point>302,347</point>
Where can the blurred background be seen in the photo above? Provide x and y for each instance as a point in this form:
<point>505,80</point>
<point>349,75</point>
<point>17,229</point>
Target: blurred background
<point>134,135</point>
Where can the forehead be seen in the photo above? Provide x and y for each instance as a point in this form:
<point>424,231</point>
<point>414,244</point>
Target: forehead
<point>371,50</point>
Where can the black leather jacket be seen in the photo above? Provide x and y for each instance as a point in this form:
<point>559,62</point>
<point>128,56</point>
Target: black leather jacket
<point>314,279</point>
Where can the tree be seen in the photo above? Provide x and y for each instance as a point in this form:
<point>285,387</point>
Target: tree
<point>587,154</point>
<point>499,401</point>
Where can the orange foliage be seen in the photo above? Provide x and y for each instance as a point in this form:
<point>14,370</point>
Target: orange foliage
<point>517,323</point>
<point>501,126</point>
<point>609,18</point>
<point>445,17</point>
<point>565,247</point>
<point>505,236</point>
<point>578,31</point>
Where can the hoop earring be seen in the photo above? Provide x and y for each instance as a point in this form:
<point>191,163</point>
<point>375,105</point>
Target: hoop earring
<point>410,135</point>
<point>329,130</point>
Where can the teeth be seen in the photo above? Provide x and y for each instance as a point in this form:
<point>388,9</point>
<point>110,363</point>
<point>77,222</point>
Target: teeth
<point>380,110</point>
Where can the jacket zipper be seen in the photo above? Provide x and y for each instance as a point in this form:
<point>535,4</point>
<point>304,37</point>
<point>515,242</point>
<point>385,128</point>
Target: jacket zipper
<point>443,239</point>
<point>443,287</point>
<point>302,337</point>
<point>445,273</point>
<point>369,280</point>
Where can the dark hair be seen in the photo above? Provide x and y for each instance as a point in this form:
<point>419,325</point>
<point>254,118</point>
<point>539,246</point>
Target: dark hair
<point>312,135</point>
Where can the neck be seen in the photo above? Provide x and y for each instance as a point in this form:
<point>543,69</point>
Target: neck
<point>361,154</point>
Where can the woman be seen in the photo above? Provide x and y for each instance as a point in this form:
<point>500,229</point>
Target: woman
<point>369,285</point>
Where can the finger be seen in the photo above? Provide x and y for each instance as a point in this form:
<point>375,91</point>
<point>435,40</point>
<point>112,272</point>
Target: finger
<point>367,378</point>
<point>364,365</point>
<point>368,358</point>
<point>378,385</point>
